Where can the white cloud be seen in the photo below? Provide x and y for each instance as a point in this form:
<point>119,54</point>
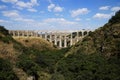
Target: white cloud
<point>11,14</point>
<point>104,8</point>
<point>11,1</point>
<point>60,15</point>
<point>59,22</point>
<point>24,19</point>
<point>32,10</point>
<point>34,2</point>
<point>102,16</point>
<point>115,8</point>
<point>2,6</point>
<point>21,4</point>
<point>58,9</point>
<point>77,19</point>
<point>78,12</point>
<point>50,7</point>
<point>14,15</point>
<point>53,7</point>
<point>3,21</point>
<point>30,4</point>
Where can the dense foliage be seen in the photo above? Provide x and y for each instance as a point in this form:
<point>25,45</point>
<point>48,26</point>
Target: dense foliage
<point>89,67</point>
<point>105,40</point>
<point>34,61</point>
<point>4,35</point>
<point>116,18</point>
<point>6,72</point>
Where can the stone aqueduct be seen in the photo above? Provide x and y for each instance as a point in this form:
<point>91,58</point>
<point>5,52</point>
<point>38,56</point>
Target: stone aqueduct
<point>61,39</point>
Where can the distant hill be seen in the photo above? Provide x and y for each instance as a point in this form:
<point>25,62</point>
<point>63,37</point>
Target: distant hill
<point>104,40</point>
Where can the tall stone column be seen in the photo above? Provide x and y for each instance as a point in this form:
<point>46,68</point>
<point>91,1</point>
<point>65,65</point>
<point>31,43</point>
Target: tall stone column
<point>23,33</point>
<point>36,34</point>
<point>45,35</point>
<point>31,34</point>
<point>71,40</point>
<point>82,34</point>
<point>65,41</point>
<point>13,33</point>
<point>50,37</point>
<point>41,34</point>
<point>55,39</point>
<point>77,36</point>
<point>60,41</point>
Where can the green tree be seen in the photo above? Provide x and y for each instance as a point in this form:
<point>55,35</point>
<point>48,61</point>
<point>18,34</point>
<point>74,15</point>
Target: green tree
<point>6,72</point>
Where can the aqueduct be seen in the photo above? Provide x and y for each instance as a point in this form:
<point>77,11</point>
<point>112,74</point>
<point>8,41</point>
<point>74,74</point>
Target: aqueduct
<point>61,39</point>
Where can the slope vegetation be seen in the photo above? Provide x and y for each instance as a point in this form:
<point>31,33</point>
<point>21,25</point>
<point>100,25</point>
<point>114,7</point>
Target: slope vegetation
<point>11,51</point>
<point>105,40</point>
<point>96,57</point>
<point>36,43</point>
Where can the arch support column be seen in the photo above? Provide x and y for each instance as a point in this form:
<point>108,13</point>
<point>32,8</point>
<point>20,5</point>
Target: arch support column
<point>77,36</point>
<point>65,41</point>
<point>13,33</point>
<point>18,34</point>
<point>55,40</point>
<point>50,37</point>
<point>60,41</point>
<point>45,35</point>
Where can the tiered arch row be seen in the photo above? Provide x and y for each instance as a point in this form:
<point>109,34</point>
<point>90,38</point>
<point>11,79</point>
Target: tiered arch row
<point>62,39</point>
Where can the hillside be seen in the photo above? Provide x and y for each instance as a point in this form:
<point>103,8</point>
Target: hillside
<point>7,50</point>
<point>96,57</point>
<point>36,43</point>
<point>105,40</point>
<point>11,50</point>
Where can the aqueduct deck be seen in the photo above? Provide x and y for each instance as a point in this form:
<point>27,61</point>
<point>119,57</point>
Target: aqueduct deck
<point>61,39</point>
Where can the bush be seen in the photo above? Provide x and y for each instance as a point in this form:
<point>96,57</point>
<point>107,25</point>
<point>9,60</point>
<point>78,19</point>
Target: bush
<point>6,72</point>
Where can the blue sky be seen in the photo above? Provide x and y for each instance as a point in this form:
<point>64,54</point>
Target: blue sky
<point>56,14</point>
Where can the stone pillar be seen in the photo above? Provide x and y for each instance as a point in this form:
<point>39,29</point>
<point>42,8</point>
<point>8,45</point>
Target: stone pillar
<point>41,34</point>
<point>77,36</point>
<point>71,40</point>
<point>50,37</point>
<point>55,39</point>
<point>65,41</point>
<point>23,33</point>
<point>60,41</point>
<point>82,34</point>
<point>33,33</point>
<point>45,35</point>
<point>13,33</point>
<point>36,34</point>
